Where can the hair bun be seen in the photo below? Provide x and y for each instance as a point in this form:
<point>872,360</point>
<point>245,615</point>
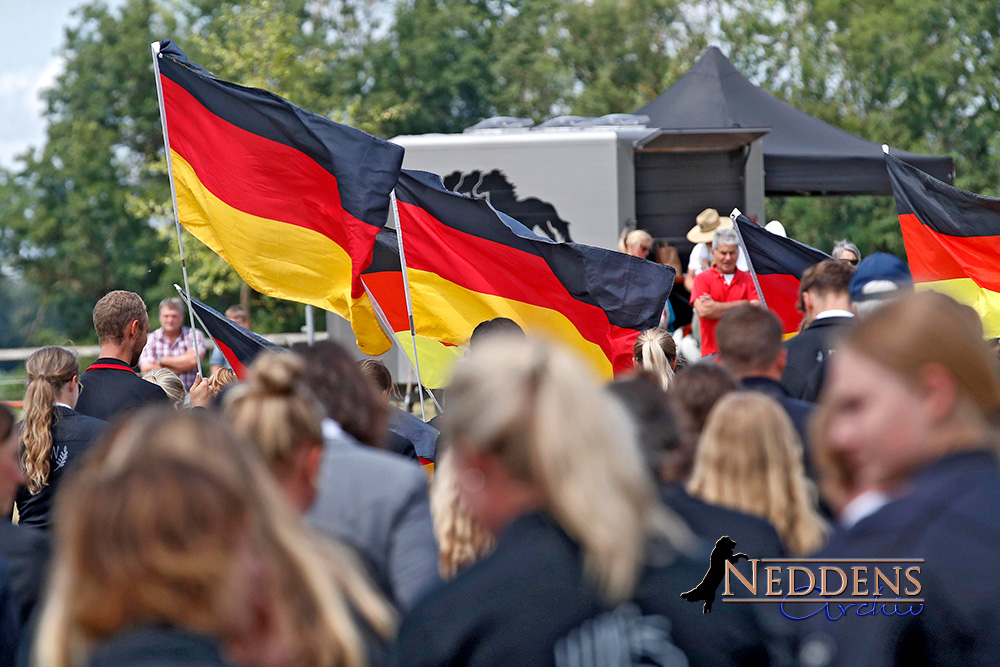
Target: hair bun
<point>277,373</point>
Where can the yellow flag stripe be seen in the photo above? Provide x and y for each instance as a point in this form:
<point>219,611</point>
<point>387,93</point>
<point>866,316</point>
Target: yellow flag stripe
<point>276,258</point>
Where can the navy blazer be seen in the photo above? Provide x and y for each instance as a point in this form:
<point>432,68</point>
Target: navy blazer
<point>72,435</point>
<point>754,536</point>
<point>157,647</point>
<point>532,603</point>
<point>808,351</point>
<point>949,515</point>
<point>111,387</point>
<point>27,552</point>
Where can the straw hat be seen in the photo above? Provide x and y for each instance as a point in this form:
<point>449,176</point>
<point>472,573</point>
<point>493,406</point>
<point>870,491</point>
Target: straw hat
<point>708,221</point>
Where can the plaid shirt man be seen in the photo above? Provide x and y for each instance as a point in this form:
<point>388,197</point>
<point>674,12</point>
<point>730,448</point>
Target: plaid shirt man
<point>157,345</point>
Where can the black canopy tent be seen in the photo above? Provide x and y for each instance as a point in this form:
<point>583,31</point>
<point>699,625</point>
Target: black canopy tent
<point>802,155</point>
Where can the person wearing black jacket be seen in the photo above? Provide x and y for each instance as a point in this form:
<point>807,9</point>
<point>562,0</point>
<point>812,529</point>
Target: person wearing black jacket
<point>26,550</point>
<point>54,436</point>
<point>826,304</point>
<point>910,400</point>
<point>587,560</point>
<point>750,347</point>
<point>112,386</point>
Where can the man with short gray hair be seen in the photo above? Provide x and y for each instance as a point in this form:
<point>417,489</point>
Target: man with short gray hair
<point>172,346</point>
<point>720,288</point>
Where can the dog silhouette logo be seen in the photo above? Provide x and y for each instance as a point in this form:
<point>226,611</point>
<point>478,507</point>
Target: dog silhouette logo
<point>496,188</point>
<point>705,591</point>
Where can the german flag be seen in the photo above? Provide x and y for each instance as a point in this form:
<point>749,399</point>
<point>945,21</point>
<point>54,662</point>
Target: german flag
<point>240,346</point>
<point>952,240</point>
<point>384,282</point>
<point>468,262</point>
<point>779,263</point>
<point>290,199</point>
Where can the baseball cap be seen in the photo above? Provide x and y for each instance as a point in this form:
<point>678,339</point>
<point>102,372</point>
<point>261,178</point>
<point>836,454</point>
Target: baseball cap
<point>879,276</point>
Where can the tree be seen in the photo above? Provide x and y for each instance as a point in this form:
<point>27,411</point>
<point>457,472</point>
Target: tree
<point>70,227</point>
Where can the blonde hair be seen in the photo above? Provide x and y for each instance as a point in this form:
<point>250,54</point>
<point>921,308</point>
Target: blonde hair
<point>462,540</point>
<point>275,409</point>
<point>538,410</point>
<point>655,351</point>
<point>749,459</point>
<point>318,585</point>
<point>48,370</point>
<point>635,236</point>
<point>167,380</point>
<point>221,378</point>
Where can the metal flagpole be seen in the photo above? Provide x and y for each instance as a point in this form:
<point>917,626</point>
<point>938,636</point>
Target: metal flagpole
<point>384,322</point>
<point>155,48</point>
<point>187,299</point>
<point>753,274</point>
<point>409,304</point>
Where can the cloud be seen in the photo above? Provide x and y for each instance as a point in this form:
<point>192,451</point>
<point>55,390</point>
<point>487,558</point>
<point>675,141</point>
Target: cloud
<point>21,108</point>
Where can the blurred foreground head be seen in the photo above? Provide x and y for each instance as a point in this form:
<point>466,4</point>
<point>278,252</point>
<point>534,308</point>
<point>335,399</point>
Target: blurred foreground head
<point>275,411</point>
<point>912,382</point>
<point>190,533</point>
<point>531,429</point>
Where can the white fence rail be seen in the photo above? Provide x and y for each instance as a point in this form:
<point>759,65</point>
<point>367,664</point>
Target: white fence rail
<point>283,339</point>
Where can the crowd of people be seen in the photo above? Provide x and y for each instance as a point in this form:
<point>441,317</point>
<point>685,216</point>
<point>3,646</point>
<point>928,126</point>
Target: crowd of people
<point>298,517</point>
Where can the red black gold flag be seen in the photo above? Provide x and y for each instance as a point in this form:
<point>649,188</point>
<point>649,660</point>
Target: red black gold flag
<point>952,240</point>
<point>240,346</point>
<point>779,263</point>
<point>384,280</point>
<point>468,262</point>
<point>290,199</point>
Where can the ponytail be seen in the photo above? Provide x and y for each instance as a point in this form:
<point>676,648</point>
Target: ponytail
<point>655,351</point>
<point>48,370</point>
<point>560,432</point>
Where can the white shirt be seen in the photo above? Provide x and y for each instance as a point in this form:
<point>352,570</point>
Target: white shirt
<point>863,505</point>
<point>701,259</point>
<point>836,312</point>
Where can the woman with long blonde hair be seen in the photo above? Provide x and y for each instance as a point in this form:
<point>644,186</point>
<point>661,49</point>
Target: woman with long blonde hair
<point>656,352</point>
<point>162,551</point>
<point>53,434</point>
<point>586,556</point>
<point>749,458</point>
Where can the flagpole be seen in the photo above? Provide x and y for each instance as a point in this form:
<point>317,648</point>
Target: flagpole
<point>387,328</point>
<point>753,274</point>
<point>409,303</point>
<point>155,49</point>
<point>187,300</point>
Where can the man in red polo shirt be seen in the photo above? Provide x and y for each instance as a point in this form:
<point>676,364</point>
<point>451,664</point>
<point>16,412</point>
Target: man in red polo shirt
<point>720,288</point>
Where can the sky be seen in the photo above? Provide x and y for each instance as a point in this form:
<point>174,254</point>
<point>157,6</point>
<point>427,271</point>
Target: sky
<point>31,32</point>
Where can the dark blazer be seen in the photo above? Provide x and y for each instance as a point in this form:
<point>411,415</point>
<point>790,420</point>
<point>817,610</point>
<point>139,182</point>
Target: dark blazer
<point>108,392</point>
<point>157,647</point>
<point>949,515</point>
<point>531,600</point>
<point>72,435</point>
<point>10,618</point>
<point>808,350</point>
<point>27,552</point>
<point>754,536</point>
